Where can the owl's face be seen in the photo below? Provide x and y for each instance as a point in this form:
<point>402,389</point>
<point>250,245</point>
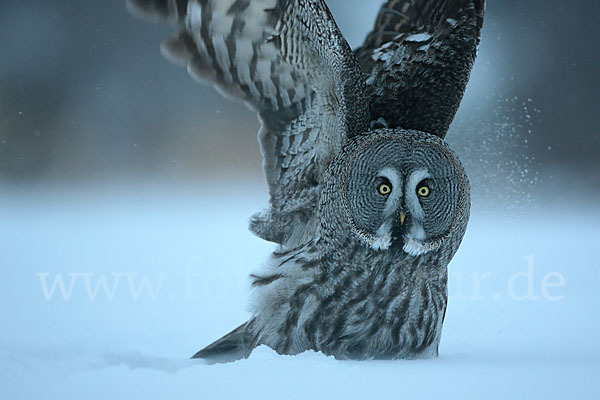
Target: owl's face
<point>404,191</point>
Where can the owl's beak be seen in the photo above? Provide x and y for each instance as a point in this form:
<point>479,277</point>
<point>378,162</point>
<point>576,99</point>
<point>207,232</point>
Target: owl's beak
<point>399,226</point>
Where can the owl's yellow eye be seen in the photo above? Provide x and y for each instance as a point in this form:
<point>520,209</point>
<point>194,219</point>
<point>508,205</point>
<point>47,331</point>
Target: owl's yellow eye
<point>385,189</point>
<point>424,191</point>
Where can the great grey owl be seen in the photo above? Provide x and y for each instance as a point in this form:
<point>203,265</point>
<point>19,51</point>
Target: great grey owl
<point>367,203</point>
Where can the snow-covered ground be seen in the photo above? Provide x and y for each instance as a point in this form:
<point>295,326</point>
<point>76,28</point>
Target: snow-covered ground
<point>522,322</point>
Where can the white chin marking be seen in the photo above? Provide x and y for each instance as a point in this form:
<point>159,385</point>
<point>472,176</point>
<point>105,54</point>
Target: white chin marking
<point>383,238</point>
<point>381,243</point>
<point>417,248</point>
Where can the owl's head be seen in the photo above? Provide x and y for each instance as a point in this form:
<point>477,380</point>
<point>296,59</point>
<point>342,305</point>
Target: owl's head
<point>399,189</point>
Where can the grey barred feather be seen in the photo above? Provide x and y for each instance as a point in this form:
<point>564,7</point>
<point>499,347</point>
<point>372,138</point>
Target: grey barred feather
<point>289,62</point>
<point>366,219</point>
<point>340,296</point>
<point>236,345</point>
<point>418,58</point>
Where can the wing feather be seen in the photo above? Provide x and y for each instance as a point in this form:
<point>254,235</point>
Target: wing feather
<point>289,62</point>
<point>418,59</point>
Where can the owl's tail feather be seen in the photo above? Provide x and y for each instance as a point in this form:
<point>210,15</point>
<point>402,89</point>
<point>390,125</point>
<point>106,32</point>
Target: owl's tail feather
<point>236,345</point>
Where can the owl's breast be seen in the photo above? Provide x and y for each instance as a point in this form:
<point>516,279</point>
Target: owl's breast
<point>384,311</point>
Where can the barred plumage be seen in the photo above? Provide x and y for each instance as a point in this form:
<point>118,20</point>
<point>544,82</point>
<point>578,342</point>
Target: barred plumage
<point>360,313</point>
<point>341,296</point>
<point>366,219</point>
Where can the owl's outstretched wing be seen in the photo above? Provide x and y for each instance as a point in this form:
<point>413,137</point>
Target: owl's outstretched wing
<point>289,62</point>
<point>418,60</point>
